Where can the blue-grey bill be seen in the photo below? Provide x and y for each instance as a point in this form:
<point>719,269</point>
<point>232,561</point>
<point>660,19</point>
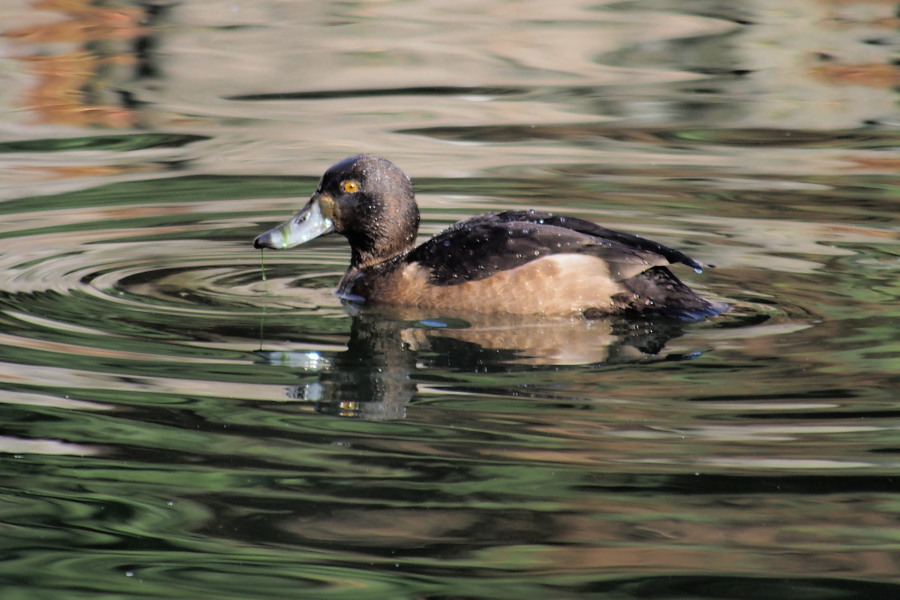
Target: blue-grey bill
<point>309,223</point>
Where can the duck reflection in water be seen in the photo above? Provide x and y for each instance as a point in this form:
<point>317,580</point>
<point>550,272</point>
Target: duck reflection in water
<point>375,378</point>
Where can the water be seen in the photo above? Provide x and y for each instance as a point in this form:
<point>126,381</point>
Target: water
<point>176,427</point>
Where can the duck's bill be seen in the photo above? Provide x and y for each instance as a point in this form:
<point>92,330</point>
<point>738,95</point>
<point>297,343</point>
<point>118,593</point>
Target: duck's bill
<point>309,223</point>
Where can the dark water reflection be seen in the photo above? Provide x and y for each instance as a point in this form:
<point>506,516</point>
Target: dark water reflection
<point>173,426</point>
<point>374,377</point>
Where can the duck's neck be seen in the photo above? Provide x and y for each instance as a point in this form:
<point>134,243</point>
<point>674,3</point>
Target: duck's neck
<point>361,260</point>
<point>391,239</point>
<point>359,281</point>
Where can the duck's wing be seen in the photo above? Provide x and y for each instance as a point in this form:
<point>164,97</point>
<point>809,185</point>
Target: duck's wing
<point>671,255</point>
<point>484,245</point>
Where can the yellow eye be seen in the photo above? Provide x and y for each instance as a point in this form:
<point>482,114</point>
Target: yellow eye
<point>351,187</point>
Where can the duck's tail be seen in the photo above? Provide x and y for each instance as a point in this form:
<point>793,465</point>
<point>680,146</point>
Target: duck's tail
<point>657,291</point>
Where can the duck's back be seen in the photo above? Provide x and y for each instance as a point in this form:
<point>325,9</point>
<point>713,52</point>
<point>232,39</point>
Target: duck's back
<point>529,262</point>
<point>484,245</point>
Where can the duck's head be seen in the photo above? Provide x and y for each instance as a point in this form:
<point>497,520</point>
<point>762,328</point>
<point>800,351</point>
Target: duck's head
<point>366,199</point>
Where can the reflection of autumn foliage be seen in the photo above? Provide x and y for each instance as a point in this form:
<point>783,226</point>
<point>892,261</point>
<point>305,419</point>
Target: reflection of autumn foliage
<point>85,23</point>
<point>76,88</point>
<point>57,172</point>
<point>62,94</point>
<point>874,75</point>
<point>862,73</point>
<point>876,164</point>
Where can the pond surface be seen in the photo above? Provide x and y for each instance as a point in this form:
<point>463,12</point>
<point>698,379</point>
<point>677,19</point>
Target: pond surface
<point>176,426</point>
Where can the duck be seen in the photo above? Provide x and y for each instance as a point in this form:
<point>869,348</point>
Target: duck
<point>519,262</point>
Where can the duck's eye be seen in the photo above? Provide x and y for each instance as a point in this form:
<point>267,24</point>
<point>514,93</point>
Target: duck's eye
<point>350,186</point>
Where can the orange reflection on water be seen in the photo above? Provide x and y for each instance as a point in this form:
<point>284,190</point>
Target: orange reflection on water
<point>874,75</point>
<point>76,87</point>
<point>85,22</point>
<point>61,172</point>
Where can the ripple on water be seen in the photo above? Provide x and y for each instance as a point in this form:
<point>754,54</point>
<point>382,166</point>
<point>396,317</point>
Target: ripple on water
<point>554,435</point>
<point>187,376</point>
<point>162,406</point>
<point>140,297</point>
